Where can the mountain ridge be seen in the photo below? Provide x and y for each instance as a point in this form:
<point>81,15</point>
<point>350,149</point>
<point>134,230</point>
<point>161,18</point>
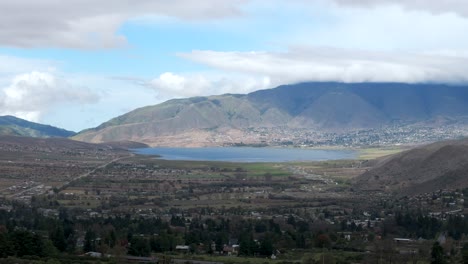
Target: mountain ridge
<point>327,106</point>
<point>10,125</point>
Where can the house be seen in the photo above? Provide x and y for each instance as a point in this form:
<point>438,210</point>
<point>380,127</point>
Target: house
<point>231,250</point>
<point>93,254</point>
<point>402,240</point>
<point>182,248</point>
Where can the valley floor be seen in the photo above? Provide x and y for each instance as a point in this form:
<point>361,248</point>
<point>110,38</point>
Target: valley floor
<point>118,204</point>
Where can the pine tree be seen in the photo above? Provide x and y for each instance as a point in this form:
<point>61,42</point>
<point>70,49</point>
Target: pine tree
<point>437,254</point>
<point>89,243</point>
<point>58,238</point>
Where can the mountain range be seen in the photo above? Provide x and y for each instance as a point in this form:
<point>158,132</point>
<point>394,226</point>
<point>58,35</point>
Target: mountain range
<point>320,107</point>
<point>10,125</point>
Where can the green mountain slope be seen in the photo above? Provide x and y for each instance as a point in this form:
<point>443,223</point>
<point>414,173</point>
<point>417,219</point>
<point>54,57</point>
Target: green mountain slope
<point>10,125</point>
<point>200,114</point>
<point>229,118</point>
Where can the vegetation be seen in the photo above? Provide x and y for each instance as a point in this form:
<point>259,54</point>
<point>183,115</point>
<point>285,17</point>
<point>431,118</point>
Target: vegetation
<point>13,126</point>
<point>377,152</point>
<point>109,206</point>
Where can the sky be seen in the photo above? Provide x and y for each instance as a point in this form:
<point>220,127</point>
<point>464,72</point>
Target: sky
<point>77,63</point>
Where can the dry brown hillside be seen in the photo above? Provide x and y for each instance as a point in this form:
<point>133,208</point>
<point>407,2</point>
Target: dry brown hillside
<point>322,107</point>
<point>436,166</point>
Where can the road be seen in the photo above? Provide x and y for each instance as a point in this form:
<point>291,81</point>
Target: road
<point>86,174</point>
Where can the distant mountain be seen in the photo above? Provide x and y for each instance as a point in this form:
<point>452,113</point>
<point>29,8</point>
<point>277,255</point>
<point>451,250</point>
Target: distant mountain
<point>59,144</point>
<point>425,169</point>
<point>334,107</point>
<point>10,125</point>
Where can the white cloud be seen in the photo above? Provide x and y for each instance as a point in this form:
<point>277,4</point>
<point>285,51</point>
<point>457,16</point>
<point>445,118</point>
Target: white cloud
<point>93,24</point>
<point>14,65</point>
<point>390,27</point>
<point>331,64</point>
<point>459,7</point>
<point>170,85</point>
<point>32,95</point>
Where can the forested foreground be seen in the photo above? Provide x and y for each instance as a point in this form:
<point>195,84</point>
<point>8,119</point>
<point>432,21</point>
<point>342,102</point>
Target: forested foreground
<point>408,237</point>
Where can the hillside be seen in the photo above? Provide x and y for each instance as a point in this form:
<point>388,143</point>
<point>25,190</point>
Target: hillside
<point>58,145</point>
<point>320,107</point>
<point>20,142</point>
<point>425,169</point>
<point>10,125</point>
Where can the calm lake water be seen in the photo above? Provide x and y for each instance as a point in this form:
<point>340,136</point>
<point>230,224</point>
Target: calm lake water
<point>248,154</point>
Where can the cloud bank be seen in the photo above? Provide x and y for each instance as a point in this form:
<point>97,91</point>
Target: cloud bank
<point>329,40</point>
<point>170,85</point>
<point>458,7</point>
<point>87,24</point>
<point>332,64</point>
<point>31,95</point>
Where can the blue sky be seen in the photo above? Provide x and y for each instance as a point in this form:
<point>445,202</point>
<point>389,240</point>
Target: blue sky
<point>79,63</point>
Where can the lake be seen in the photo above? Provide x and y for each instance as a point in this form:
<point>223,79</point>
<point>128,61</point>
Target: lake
<point>248,154</point>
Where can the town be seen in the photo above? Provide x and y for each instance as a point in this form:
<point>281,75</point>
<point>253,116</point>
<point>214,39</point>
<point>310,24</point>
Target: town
<point>107,204</point>
<point>397,134</point>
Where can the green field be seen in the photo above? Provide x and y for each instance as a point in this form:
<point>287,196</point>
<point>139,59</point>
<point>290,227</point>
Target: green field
<point>374,153</point>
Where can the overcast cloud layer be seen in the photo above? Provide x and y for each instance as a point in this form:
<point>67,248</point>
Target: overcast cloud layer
<point>85,59</point>
<point>93,24</point>
<point>459,7</point>
<point>329,64</point>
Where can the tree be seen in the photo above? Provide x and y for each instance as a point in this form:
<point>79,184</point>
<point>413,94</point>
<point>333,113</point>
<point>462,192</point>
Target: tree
<point>139,247</point>
<point>25,243</point>
<point>71,244</point>
<point>300,240</point>
<point>322,241</point>
<point>221,239</point>
<point>58,238</point>
<point>437,254</point>
<point>111,238</point>
<point>49,249</point>
<point>266,246</point>
<point>465,253</point>
<point>247,245</point>
<point>308,258</point>
<point>38,246</point>
<point>90,241</point>
<point>6,248</point>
